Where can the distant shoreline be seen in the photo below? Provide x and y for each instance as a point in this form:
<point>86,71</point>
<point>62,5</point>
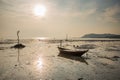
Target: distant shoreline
<point>107,35</point>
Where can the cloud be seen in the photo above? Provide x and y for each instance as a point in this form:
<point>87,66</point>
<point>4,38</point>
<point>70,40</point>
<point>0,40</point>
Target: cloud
<point>87,13</point>
<point>19,7</point>
<point>73,12</point>
<point>70,8</point>
<point>111,14</point>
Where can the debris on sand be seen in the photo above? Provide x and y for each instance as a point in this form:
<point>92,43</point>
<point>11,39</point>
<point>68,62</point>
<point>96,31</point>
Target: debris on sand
<point>113,48</point>
<point>80,78</point>
<point>3,48</point>
<point>114,58</point>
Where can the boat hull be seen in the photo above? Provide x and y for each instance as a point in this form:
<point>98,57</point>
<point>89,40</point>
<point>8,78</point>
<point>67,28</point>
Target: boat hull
<point>72,52</point>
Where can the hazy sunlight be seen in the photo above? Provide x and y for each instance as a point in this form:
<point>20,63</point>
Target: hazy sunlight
<point>39,10</point>
<point>39,63</point>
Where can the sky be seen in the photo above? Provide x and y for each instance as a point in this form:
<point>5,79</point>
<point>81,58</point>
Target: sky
<point>72,17</point>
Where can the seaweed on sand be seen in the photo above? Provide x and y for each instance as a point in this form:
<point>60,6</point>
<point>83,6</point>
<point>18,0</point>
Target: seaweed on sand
<point>114,58</point>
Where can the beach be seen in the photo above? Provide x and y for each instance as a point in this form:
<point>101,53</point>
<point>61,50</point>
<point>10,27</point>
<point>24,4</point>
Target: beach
<point>40,60</point>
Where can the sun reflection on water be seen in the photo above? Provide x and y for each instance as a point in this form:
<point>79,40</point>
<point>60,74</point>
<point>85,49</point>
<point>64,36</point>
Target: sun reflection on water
<point>39,63</point>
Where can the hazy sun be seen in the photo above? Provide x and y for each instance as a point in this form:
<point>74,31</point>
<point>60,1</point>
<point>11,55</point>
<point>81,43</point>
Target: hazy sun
<point>39,10</point>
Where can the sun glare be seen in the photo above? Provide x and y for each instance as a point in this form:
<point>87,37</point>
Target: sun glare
<point>41,38</point>
<point>39,10</point>
<point>39,63</point>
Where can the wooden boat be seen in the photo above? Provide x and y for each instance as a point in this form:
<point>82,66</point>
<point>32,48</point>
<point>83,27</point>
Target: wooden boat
<point>62,48</point>
<point>77,52</point>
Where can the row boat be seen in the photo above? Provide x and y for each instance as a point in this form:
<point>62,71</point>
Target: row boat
<point>75,52</point>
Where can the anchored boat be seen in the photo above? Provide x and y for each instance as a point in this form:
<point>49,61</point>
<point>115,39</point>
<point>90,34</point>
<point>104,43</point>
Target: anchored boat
<point>74,52</point>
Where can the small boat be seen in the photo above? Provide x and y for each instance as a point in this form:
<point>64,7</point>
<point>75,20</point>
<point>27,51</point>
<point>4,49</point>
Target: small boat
<point>62,48</point>
<point>75,52</point>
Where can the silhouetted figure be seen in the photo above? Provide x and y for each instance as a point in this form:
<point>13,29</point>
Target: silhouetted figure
<point>18,45</point>
<point>18,36</point>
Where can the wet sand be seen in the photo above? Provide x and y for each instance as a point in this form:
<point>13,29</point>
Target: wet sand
<point>42,61</point>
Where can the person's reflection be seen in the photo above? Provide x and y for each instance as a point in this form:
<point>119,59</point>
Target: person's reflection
<point>18,55</point>
<point>18,59</point>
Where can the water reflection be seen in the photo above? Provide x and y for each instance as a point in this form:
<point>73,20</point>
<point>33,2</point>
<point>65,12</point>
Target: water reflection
<point>39,63</point>
<point>18,60</point>
<point>18,55</point>
<point>81,59</point>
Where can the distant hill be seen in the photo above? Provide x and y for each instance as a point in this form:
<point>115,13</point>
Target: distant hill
<point>101,36</point>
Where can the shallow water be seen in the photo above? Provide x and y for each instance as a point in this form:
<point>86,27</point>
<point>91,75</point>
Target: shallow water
<point>41,61</point>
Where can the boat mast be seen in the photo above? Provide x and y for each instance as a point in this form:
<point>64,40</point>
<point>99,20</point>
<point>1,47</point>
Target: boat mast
<point>66,37</point>
<point>60,43</point>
